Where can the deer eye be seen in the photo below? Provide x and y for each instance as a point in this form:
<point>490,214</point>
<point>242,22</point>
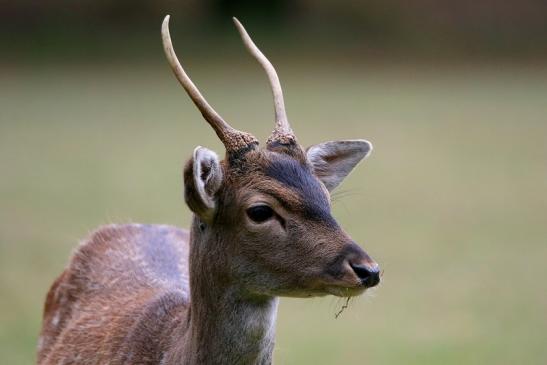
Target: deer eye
<point>260,213</point>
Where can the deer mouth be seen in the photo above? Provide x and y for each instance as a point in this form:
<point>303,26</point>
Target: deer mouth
<point>352,285</point>
<point>322,288</point>
<point>352,281</point>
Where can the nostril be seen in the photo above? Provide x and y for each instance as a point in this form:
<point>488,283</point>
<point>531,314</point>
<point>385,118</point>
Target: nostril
<point>370,276</point>
<point>362,271</point>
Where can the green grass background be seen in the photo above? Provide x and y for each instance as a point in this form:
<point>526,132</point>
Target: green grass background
<point>452,203</point>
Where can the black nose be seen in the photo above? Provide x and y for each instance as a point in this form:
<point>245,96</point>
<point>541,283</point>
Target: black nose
<point>370,276</point>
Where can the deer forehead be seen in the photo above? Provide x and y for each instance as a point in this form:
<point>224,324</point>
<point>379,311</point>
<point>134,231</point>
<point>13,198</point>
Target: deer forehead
<point>292,183</point>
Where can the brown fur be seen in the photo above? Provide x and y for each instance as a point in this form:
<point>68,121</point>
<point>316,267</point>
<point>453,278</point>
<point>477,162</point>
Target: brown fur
<point>125,296</point>
<point>152,294</point>
<point>112,304</point>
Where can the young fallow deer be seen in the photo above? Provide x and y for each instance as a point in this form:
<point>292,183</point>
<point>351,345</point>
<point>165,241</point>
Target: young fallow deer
<point>262,228</point>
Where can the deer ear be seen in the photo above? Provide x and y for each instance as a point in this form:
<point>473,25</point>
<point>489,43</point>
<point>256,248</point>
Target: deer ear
<point>202,179</point>
<point>332,161</point>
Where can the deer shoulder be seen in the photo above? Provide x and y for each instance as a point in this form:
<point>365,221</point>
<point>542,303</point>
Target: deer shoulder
<point>136,277</point>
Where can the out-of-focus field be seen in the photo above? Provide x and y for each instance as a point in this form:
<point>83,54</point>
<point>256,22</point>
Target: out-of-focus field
<point>452,203</point>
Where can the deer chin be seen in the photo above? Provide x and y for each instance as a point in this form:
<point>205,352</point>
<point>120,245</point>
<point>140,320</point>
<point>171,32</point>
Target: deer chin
<point>346,292</point>
<point>311,292</point>
<point>327,286</point>
<point>338,290</point>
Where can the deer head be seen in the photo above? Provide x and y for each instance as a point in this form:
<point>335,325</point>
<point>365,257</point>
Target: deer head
<point>262,215</point>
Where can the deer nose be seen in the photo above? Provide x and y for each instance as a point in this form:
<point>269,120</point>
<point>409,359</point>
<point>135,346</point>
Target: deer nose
<point>369,274</point>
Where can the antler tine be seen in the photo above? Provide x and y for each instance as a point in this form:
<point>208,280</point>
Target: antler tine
<point>282,129</point>
<point>231,138</point>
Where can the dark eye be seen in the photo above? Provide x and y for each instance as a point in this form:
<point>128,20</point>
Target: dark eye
<point>260,213</point>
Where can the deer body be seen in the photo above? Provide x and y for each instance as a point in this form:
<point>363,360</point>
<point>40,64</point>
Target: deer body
<point>136,277</point>
<point>262,228</point>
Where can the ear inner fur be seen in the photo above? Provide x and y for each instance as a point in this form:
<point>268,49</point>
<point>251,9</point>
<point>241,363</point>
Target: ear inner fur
<point>202,178</point>
<point>333,161</point>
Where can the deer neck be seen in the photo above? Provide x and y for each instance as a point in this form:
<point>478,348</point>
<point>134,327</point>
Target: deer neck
<point>226,325</point>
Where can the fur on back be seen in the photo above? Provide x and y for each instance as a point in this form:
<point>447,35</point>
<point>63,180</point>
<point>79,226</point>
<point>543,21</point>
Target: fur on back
<point>119,289</point>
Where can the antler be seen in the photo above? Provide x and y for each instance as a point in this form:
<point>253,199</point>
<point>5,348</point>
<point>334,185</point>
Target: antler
<point>282,133</point>
<point>232,139</point>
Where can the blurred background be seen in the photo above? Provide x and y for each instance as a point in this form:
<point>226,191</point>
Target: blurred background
<point>453,202</point>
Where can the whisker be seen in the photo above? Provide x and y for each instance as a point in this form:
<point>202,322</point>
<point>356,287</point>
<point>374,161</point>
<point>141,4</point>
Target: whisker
<point>337,195</point>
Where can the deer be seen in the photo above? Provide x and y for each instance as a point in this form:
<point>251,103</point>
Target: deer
<point>261,229</point>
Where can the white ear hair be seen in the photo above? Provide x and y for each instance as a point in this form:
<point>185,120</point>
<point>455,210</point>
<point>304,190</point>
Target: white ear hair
<point>334,160</point>
<point>204,182</point>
